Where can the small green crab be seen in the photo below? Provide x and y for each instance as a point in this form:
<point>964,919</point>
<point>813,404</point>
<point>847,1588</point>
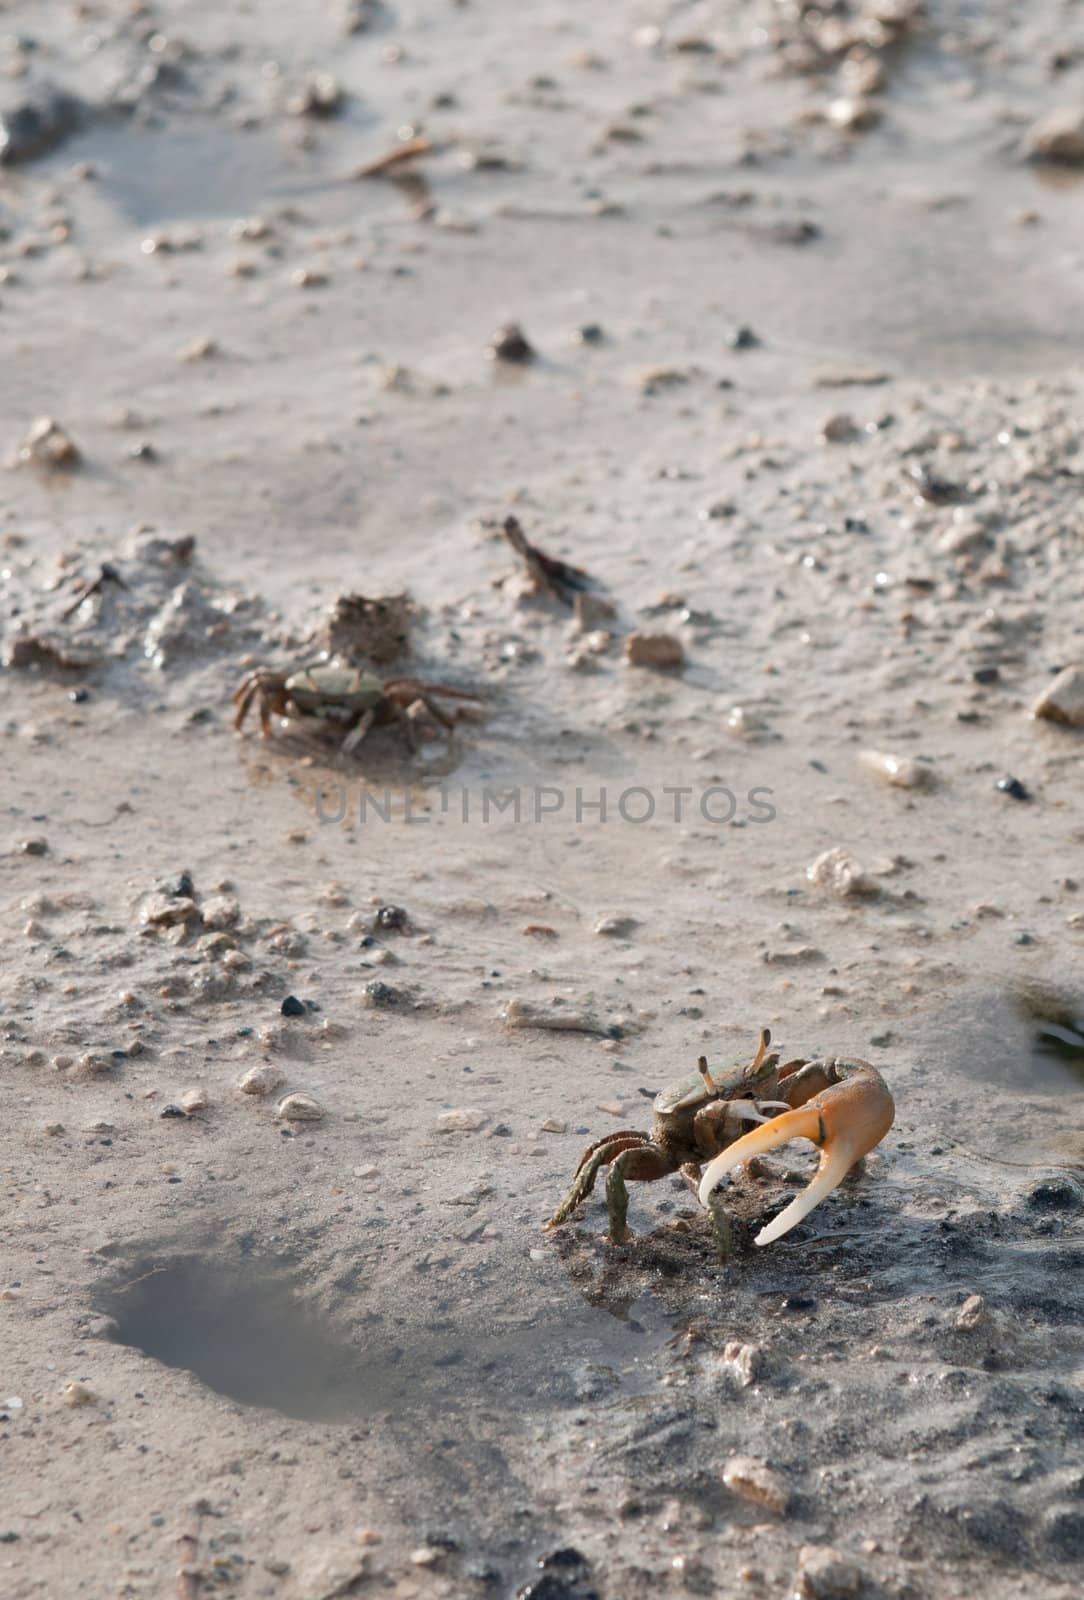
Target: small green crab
<point>345,695</point>
<point>695,1120</point>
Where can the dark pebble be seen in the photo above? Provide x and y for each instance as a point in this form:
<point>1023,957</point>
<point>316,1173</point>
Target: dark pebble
<point>79,697</point>
<point>589,333</point>
<point>986,674</point>
<point>391,919</point>
<point>511,344</point>
<point>742,338</point>
<point>798,1302</point>
<point>179,886</point>
<point>1013,787</point>
<point>8,1536</point>
<point>381,994</point>
<point>173,1111</point>
<point>855,525</point>
<point>1056,1194</point>
<point>567,1556</point>
<point>293,1007</point>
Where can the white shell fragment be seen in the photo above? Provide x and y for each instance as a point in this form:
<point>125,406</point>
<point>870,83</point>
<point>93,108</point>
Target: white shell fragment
<point>1063,699</point>
<point>300,1108</point>
<point>264,1078</point>
<point>839,874</point>
<point>755,1481</point>
<point>901,772</point>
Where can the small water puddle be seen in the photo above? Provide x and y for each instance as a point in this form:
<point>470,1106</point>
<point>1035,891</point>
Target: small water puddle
<point>243,1329</point>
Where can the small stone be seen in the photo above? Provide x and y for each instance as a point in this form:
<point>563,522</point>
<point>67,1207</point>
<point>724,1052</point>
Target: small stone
<point>742,1362</point>
<point>589,333</point>
<point>195,1100</point>
<point>742,338</point>
<point>332,1573</point>
<point>299,1108</point>
<point>381,995</point>
<point>1058,137</point>
<point>1063,699</point>
<point>1012,787</point>
<point>616,927</point>
<point>368,1171</point>
<point>47,445</point>
<point>164,910</point>
<point>199,349</point>
<point>826,1574</point>
<point>262,1079</point>
<point>37,845</point>
<point>293,1007</point>
<point>838,873</point>
<point>459,1120</point>
<point>853,114</point>
<point>658,650</point>
<point>972,1314</point>
<point>221,911</point>
<point>554,1125</point>
<point>901,772</point>
<point>77,1394</point>
<point>840,429</point>
<point>987,675</point>
<point>511,344</point>
<point>173,1112</point>
<point>391,919</point>
<point>755,1481</point>
<point>53,1129</point>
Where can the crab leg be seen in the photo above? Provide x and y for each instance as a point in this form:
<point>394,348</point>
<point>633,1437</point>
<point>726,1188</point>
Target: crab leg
<point>845,1120</point>
<point>596,1156</point>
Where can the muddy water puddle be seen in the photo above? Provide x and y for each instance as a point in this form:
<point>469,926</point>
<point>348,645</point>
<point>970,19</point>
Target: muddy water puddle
<point>1018,1054</point>
<point>244,1330</point>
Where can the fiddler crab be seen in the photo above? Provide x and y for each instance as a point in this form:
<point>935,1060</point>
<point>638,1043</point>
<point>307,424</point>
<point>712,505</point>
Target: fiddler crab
<point>840,1103</point>
<point>346,695</point>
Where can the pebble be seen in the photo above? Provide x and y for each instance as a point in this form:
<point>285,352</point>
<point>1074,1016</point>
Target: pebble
<point>840,874</point>
<point>194,1100</point>
<point>1057,137</point>
<point>221,911</point>
<point>742,338</point>
<point>840,429</point>
<point>262,1079</point>
<point>753,1480</point>
<point>164,910</point>
<point>742,1362</point>
<point>47,445</point>
<point>41,119</point>
<point>37,845</point>
<point>331,1573</point>
<point>901,772</point>
<point>77,1394</point>
<point>853,115</point>
<point>658,650</point>
<point>616,927</point>
<point>972,1314</point>
<point>391,919</point>
<point>459,1120</point>
<point>1063,699</point>
<point>1013,787</point>
<point>554,1125</point>
<point>511,344</point>
<point>827,1574</point>
<point>293,1007</point>
<point>299,1108</point>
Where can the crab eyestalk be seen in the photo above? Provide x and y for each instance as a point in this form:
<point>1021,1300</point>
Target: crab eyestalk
<point>845,1120</point>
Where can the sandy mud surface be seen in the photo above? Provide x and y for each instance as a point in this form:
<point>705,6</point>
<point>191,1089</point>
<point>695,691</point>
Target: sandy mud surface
<point>298,1049</point>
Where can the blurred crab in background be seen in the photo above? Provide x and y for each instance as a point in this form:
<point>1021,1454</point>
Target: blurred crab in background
<point>345,695</point>
<point>841,1104</point>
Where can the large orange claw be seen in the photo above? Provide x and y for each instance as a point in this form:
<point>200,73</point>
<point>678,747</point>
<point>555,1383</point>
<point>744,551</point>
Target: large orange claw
<point>851,1113</point>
